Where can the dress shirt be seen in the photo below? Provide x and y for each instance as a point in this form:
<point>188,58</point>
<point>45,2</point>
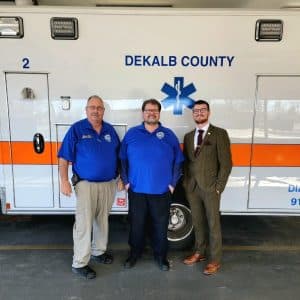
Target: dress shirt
<point>205,128</point>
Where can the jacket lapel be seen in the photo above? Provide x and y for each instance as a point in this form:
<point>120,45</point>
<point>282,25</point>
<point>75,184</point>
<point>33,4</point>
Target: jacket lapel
<point>190,144</point>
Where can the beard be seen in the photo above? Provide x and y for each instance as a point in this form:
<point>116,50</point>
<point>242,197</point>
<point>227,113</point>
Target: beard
<point>202,121</point>
<point>151,122</point>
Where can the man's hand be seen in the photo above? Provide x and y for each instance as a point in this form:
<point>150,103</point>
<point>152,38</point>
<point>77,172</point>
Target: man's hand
<point>171,189</point>
<point>120,185</point>
<point>65,185</point>
<point>65,188</point>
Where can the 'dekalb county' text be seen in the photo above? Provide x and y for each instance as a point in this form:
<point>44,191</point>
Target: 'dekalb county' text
<point>184,61</point>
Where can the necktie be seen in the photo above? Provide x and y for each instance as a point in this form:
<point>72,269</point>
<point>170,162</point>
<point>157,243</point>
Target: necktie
<point>199,141</point>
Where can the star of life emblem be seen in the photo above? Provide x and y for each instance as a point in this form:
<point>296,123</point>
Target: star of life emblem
<point>178,95</point>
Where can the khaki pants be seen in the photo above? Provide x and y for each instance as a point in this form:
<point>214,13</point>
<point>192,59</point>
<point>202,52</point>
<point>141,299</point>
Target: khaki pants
<point>94,202</point>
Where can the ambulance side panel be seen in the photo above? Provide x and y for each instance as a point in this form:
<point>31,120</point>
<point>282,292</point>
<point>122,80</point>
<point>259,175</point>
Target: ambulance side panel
<point>180,55</point>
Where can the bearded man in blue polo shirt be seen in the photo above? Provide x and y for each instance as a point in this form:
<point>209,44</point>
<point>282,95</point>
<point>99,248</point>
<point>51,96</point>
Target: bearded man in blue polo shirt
<point>151,161</point>
<point>92,146</point>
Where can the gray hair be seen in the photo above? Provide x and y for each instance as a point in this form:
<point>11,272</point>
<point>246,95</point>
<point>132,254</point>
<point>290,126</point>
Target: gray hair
<point>94,96</point>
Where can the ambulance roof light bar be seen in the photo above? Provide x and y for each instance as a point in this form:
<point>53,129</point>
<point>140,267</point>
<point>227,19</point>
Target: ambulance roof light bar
<point>64,28</point>
<point>11,27</point>
<point>268,30</point>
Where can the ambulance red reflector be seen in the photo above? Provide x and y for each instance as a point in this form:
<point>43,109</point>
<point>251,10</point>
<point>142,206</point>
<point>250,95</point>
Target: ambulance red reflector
<point>121,202</point>
<point>7,205</point>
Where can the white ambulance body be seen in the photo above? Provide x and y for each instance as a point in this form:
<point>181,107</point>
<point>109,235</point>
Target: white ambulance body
<point>127,56</point>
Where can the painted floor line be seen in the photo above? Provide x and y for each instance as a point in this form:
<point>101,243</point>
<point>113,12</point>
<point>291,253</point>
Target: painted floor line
<point>274,248</point>
<point>35,247</point>
<point>262,248</point>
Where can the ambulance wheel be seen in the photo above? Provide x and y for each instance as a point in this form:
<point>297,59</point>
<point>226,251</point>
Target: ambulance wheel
<point>180,228</point>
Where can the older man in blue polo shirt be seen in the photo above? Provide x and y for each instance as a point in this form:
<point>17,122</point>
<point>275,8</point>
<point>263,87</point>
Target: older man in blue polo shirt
<point>151,161</point>
<point>92,146</point>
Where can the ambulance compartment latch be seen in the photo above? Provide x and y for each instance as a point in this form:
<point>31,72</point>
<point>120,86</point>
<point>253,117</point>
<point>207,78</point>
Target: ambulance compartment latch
<point>38,143</point>
<point>28,93</point>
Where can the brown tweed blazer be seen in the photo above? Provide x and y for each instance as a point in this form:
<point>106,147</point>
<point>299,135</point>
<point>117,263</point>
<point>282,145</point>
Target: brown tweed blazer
<point>210,169</point>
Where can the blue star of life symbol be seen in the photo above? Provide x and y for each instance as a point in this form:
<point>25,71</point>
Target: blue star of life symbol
<point>178,95</point>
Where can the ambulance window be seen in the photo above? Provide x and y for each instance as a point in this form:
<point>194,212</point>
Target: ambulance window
<point>268,30</point>
<point>11,27</point>
<point>64,28</point>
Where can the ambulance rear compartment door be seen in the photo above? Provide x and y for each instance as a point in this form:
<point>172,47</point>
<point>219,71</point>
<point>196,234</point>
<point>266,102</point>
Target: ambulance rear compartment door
<point>275,161</point>
<point>29,122</point>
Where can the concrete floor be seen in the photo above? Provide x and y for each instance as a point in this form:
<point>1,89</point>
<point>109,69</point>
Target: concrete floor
<point>261,261</point>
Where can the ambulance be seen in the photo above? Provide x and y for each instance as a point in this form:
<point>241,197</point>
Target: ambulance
<point>245,63</point>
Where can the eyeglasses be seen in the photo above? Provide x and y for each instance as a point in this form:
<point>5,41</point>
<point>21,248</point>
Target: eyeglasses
<point>98,108</point>
<point>200,110</point>
<point>148,111</point>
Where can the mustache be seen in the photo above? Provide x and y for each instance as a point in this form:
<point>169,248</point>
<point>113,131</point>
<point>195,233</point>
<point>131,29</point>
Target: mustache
<point>201,121</point>
<point>151,121</point>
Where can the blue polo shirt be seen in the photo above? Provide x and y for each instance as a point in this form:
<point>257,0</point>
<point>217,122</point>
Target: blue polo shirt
<point>152,160</point>
<point>94,156</point>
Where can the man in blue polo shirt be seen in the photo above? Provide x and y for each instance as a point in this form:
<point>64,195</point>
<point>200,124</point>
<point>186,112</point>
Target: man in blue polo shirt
<point>151,161</point>
<point>92,146</point>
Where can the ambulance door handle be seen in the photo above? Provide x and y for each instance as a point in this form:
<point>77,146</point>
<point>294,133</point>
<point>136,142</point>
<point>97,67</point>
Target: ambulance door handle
<point>38,143</point>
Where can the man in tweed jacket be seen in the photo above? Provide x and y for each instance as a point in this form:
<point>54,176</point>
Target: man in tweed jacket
<point>206,170</point>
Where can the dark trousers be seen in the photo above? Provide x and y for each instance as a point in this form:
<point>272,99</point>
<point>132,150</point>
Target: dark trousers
<point>154,209</point>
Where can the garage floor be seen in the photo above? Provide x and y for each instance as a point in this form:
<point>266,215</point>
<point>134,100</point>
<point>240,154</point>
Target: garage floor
<point>261,261</point>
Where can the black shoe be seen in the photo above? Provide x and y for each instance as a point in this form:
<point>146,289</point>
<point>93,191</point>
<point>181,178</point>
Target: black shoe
<point>163,264</point>
<point>130,262</point>
<point>104,258</point>
<point>85,272</point>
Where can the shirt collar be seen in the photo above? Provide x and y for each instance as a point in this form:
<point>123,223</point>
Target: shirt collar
<point>88,125</point>
<point>205,128</point>
<point>142,126</point>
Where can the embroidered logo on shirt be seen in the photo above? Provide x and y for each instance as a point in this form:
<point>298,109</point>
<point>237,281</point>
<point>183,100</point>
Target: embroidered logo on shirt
<point>160,135</point>
<point>107,137</point>
<point>86,136</point>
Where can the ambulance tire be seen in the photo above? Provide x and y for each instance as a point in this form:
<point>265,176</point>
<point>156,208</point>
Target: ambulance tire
<point>180,228</point>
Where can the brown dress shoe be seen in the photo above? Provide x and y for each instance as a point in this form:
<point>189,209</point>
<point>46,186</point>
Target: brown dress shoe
<point>194,258</point>
<point>211,268</point>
